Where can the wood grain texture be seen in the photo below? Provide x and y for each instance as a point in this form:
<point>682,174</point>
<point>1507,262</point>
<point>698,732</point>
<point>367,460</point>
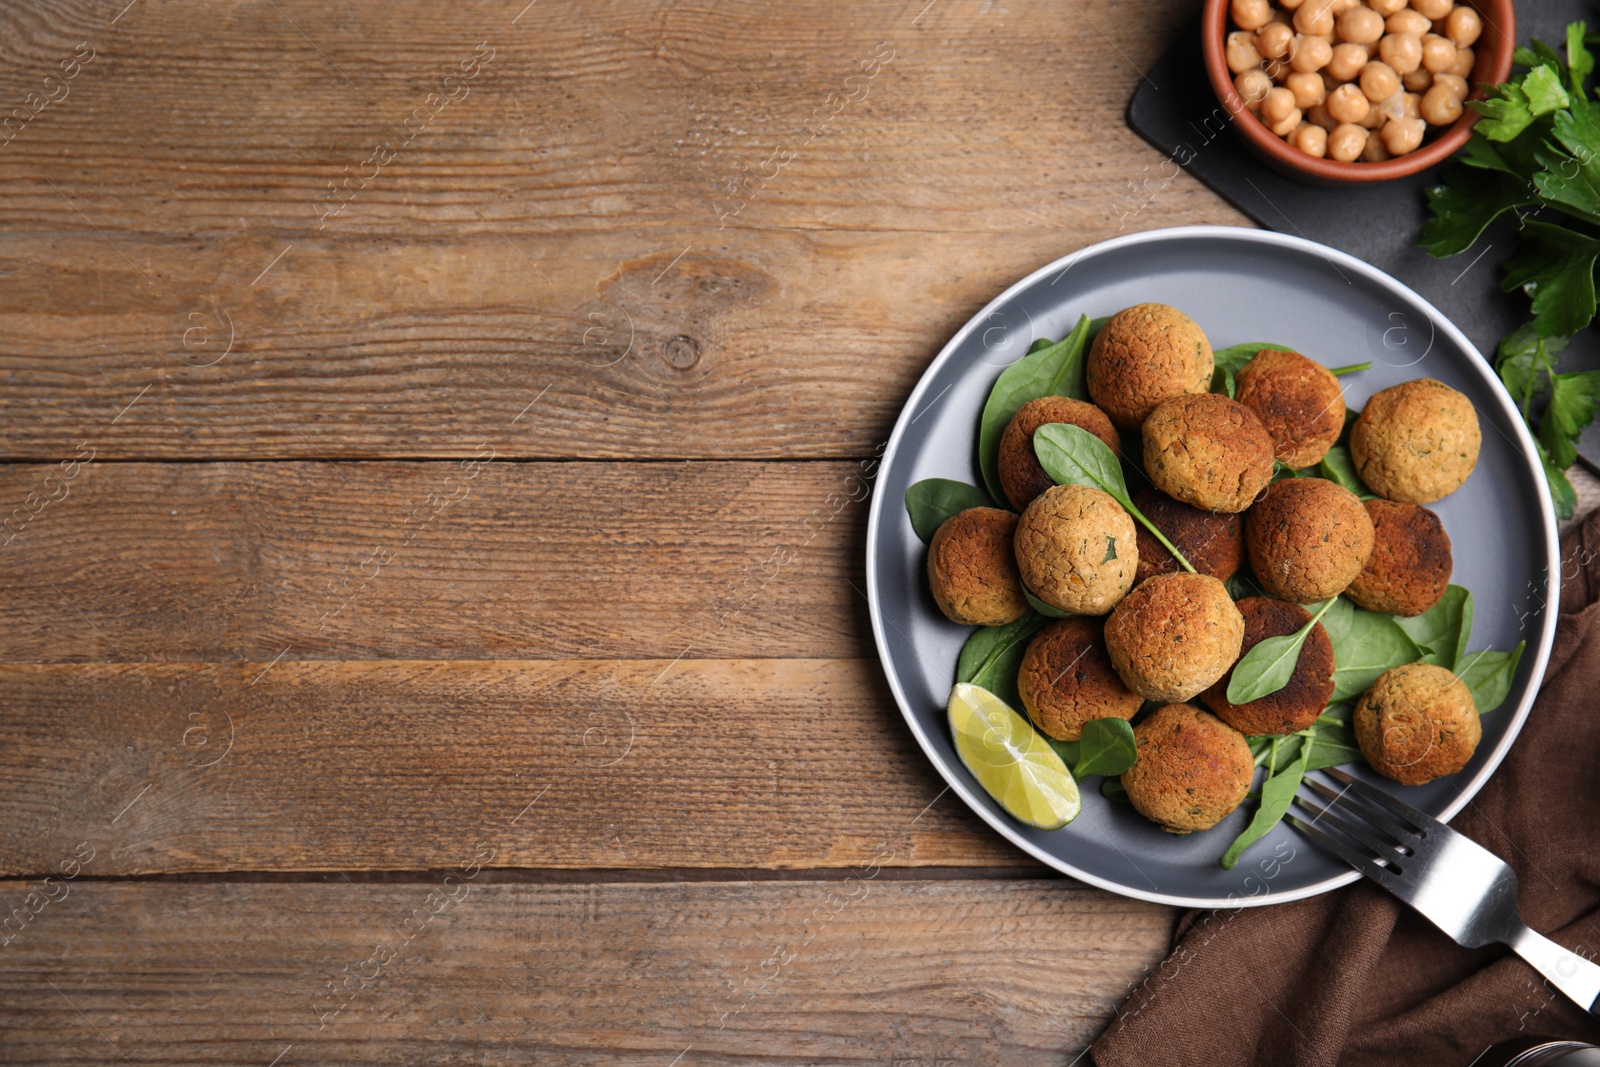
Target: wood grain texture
<point>392,765</point>
<point>658,219</point>
<point>248,561</point>
<point>865,971</point>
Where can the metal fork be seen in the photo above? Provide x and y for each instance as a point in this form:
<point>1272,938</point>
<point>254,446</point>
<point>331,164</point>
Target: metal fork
<point>1458,885</point>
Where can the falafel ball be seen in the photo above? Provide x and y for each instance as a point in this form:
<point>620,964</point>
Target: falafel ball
<point>1067,679</point>
<point>972,568</point>
<point>1416,442</point>
<point>1295,706</point>
<point>1417,723</point>
<point>1144,355</point>
<point>1409,569</point>
<point>1208,451</point>
<point>1021,476</point>
<point>1307,539</point>
<point>1076,549</point>
<point>1174,635</point>
<point>1212,542</point>
<point>1298,400</point>
<point>1193,769</point>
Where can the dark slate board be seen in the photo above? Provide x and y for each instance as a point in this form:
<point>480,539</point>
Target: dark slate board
<point>1175,110</point>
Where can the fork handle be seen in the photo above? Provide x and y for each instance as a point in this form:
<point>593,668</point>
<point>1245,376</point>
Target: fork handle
<point>1569,972</point>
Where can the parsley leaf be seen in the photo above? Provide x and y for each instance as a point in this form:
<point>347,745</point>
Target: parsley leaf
<point>1466,202</point>
<point>1555,267</point>
<point>1573,400</point>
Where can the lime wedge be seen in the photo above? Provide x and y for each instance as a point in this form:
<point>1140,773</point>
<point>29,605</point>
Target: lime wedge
<point>1009,758</point>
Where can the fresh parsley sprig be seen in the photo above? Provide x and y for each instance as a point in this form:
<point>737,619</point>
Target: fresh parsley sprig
<point>1536,152</point>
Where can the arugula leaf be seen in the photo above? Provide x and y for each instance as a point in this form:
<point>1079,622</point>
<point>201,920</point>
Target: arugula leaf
<point>933,500</point>
<point>1573,400</point>
<point>1056,369</point>
<point>1277,792</point>
<point>1555,266</point>
<point>1488,675</point>
<point>1107,748</point>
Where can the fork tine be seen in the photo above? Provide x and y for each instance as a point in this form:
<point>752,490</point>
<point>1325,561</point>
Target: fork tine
<point>1374,795</point>
<point>1355,859</point>
<point>1346,823</point>
<point>1368,812</point>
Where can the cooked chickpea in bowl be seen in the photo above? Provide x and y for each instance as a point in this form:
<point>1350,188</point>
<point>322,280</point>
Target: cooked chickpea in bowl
<point>1352,80</point>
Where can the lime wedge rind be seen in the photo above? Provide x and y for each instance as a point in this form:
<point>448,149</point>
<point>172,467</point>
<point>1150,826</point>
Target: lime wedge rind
<point>1010,760</point>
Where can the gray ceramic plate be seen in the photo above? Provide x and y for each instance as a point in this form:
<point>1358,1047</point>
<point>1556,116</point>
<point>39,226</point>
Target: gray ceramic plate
<point>1240,285</point>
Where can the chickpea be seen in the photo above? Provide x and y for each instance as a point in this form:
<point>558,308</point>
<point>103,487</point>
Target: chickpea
<point>1379,81</point>
<point>1241,51</point>
<point>1440,107</point>
<point>1374,152</point>
<point>1408,22</point>
<point>1251,14</point>
<point>1462,26</point>
<point>1387,7</point>
<point>1277,70</point>
<point>1314,17</point>
<point>1341,6</point>
<point>1438,54</point>
<point>1433,9</point>
<point>1376,117</point>
<point>1253,87</point>
<point>1413,105</point>
<point>1359,25</point>
<point>1273,40</point>
<point>1277,106</point>
<point>1318,116</point>
<point>1312,140</point>
<point>1402,51</point>
<point>1290,5</point>
<point>1348,104</point>
<point>1346,62</point>
<point>1290,123</point>
<point>1417,81</point>
<point>1466,59</point>
<point>1346,141</point>
<point>1456,84</point>
<point>1309,54</point>
<point>1401,136</point>
<point>1307,88</point>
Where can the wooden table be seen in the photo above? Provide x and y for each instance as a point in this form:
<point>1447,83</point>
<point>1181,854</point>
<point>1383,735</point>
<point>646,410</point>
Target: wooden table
<point>432,611</point>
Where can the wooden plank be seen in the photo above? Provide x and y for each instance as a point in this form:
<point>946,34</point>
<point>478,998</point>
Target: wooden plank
<point>844,972</point>
<point>392,765</point>
<point>141,562</point>
<point>172,286</point>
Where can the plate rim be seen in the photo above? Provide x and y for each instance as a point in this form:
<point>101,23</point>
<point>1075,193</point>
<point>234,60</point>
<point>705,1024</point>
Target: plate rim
<point>1338,260</point>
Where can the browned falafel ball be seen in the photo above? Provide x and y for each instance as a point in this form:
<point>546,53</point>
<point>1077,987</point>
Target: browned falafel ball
<point>1174,635</point>
<point>1193,769</point>
<point>1020,474</point>
<point>1208,451</point>
<point>1144,355</point>
<point>1067,679</point>
<point>1076,549</point>
<point>1295,706</point>
<point>1212,541</point>
<point>972,568</point>
<point>1307,539</point>
<point>1298,400</point>
<point>1416,442</point>
<point>1409,569</point>
<point>1417,723</point>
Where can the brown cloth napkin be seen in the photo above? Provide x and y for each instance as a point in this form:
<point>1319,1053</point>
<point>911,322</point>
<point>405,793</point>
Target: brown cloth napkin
<point>1354,977</point>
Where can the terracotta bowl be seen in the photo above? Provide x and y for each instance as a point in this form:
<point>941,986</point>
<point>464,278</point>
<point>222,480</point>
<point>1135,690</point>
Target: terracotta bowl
<point>1493,64</point>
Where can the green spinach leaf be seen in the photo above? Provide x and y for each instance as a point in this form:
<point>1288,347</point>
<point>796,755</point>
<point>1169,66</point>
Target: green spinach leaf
<point>1488,675</point>
<point>993,655</point>
<point>1268,666</point>
<point>933,500</point>
<point>1107,748</point>
<point>1339,468</point>
<point>1372,644</point>
<point>1443,630</point>
<point>1072,455</point>
<point>1277,792</point>
<point>1054,370</point>
<point>1045,609</point>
